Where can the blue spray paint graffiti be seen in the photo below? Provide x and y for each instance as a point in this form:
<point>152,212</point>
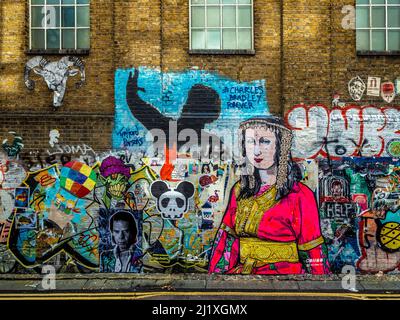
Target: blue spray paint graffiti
<point>169,93</point>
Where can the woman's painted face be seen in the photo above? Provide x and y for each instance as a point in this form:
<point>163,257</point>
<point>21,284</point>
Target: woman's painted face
<point>260,147</point>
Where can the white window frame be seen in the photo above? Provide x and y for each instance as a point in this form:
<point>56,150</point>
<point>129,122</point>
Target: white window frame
<point>386,28</point>
<point>221,28</point>
<point>60,28</point>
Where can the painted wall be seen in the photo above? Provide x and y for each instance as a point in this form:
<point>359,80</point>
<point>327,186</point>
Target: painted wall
<point>119,211</point>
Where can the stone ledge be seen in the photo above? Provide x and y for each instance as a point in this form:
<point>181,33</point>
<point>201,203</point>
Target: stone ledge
<point>201,276</point>
<point>31,283</point>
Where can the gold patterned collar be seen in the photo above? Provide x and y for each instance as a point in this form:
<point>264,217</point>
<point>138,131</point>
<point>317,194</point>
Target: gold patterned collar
<point>250,212</point>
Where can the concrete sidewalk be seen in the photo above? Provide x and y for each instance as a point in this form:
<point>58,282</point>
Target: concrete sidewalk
<point>173,283</point>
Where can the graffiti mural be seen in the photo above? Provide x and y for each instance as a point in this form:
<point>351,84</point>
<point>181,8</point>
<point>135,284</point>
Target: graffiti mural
<point>57,217</point>
<point>201,178</point>
<point>177,106</point>
<point>339,207</point>
<point>271,225</point>
<point>379,223</point>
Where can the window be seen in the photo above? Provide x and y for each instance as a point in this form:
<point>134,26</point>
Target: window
<point>59,25</point>
<point>224,25</point>
<point>378,25</point>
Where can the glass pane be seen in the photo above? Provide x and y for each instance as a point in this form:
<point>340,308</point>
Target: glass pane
<point>213,39</point>
<point>37,39</point>
<point>394,17</point>
<point>53,39</point>
<point>244,39</point>
<point>362,1</point>
<point>212,1</point>
<point>213,16</point>
<point>245,1</point>
<point>82,18</point>
<point>229,16</point>
<point>393,2</point>
<point>377,1</point>
<point>362,17</point>
<point>53,1</point>
<point>197,1</point>
<point>68,17</point>
<point>37,2</point>
<point>378,17</point>
<point>378,40</point>
<point>82,1</point>
<point>198,17</point>
<point>53,16</point>
<point>244,16</point>
<point>68,1</point>
<point>83,39</point>
<point>198,39</point>
<point>362,40</point>
<point>229,39</point>
<point>228,1</point>
<point>394,40</point>
<point>37,17</point>
<point>68,39</point>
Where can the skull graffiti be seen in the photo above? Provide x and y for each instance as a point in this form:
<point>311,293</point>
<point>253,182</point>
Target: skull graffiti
<point>172,203</point>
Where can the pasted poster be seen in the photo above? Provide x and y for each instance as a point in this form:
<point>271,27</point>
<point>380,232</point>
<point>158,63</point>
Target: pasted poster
<point>120,241</point>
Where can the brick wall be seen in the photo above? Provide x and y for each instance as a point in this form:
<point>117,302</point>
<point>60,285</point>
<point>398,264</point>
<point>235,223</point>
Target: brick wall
<point>317,56</point>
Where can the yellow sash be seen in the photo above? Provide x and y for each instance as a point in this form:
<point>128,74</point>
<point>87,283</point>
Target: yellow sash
<point>255,253</point>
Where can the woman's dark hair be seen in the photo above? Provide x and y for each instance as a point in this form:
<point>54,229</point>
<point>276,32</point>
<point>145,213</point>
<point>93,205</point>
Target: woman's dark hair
<point>204,166</point>
<point>251,184</point>
<point>124,216</point>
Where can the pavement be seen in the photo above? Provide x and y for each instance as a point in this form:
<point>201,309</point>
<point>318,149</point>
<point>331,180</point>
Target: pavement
<point>196,286</point>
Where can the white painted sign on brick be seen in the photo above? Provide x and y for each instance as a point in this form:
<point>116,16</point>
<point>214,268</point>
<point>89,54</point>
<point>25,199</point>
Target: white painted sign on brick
<point>374,86</point>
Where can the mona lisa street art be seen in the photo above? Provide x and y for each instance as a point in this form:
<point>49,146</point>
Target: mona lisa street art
<point>202,178</point>
<point>271,224</point>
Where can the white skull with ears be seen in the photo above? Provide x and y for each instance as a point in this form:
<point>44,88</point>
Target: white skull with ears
<point>172,203</point>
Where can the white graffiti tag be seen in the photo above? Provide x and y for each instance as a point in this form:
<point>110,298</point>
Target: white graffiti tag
<point>342,132</point>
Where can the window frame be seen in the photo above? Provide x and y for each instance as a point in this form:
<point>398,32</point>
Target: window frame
<point>221,28</point>
<point>60,50</point>
<point>386,28</point>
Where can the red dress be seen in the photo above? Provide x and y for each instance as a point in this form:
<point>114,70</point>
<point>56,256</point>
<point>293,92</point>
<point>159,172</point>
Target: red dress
<point>269,236</point>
